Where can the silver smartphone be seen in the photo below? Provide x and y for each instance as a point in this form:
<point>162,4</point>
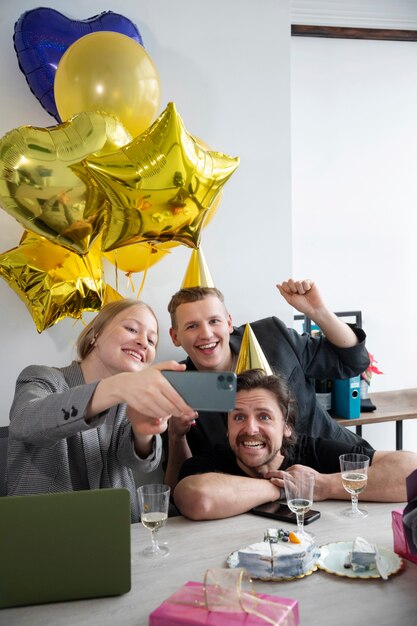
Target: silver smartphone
<point>205,391</point>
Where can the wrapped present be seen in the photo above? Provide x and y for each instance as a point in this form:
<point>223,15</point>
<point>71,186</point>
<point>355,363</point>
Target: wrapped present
<point>223,599</point>
<point>410,513</point>
<point>400,541</point>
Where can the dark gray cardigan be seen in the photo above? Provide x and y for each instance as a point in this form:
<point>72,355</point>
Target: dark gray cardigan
<point>51,447</point>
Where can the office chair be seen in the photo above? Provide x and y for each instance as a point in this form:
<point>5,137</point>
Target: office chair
<point>4,435</point>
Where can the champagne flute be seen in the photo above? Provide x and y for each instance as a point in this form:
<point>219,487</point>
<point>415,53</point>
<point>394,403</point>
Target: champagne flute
<point>153,505</point>
<point>299,491</point>
<point>354,468</point>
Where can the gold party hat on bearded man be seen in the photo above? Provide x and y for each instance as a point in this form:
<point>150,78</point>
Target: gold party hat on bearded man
<point>198,273</point>
<point>251,355</point>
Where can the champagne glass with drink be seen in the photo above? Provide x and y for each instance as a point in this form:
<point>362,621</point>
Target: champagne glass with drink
<point>354,468</point>
<point>299,491</point>
<point>153,505</point>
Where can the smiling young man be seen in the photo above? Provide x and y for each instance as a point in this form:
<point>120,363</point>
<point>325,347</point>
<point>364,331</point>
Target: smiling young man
<point>202,326</point>
<point>247,471</point>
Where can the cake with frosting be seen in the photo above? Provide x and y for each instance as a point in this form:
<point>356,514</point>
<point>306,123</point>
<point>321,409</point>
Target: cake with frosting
<point>281,555</point>
<point>363,555</point>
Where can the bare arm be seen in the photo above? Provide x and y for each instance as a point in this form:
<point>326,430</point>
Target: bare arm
<point>386,479</point>
<point>304,296</point>
<point>216,496</point>
<point>178,449</point>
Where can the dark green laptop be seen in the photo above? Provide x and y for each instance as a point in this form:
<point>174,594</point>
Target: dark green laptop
<point>64,546</point>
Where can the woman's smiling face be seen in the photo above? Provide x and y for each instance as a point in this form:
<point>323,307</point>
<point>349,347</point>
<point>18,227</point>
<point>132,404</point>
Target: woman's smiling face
<point>127,343</point>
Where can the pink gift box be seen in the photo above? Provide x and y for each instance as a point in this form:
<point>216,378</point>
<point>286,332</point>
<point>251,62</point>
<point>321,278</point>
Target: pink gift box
<point>169,613</point>
<point>400,542</point>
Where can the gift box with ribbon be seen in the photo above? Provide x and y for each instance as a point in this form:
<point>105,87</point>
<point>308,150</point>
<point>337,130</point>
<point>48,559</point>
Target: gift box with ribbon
<point>400,541</point>
<point>225,597</point>
<point>410,513</point>
<point>404,522</point>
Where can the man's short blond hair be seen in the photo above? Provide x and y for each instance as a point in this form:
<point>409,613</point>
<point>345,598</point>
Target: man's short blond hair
<point>191,294</point>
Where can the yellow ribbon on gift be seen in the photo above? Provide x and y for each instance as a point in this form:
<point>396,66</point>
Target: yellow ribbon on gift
<point>230,590</point>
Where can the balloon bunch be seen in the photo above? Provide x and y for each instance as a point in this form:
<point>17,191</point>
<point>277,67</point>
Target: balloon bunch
<point>41,36</point>
<point>109,180</point>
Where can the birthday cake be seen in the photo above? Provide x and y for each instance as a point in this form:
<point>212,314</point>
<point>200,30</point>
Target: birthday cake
<point>363,555</point>
<point>281,555</point>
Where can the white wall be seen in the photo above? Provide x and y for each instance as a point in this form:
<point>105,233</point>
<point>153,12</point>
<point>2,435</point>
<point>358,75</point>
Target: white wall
<point>354,163</point>
<point>356,13</point>
<point>226,66</point>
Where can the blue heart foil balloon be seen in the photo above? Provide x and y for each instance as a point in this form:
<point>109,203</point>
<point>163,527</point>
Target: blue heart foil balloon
<point>42,35</point>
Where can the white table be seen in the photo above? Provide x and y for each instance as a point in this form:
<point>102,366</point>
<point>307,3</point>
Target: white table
<point>324,599</point>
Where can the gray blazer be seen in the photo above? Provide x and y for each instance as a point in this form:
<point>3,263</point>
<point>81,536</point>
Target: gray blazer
<point>51,447</point>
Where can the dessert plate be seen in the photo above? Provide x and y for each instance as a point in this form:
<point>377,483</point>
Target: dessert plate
<point>233,561</point>
<point>335,555</point>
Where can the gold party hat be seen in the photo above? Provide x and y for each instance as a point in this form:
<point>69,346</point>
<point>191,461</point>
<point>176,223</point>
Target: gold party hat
<point>198,273</point>
<point>251,355</point>
<point>111,295</point>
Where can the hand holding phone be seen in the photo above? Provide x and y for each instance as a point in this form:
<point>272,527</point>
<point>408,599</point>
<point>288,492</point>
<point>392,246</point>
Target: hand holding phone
<point>205,391</point>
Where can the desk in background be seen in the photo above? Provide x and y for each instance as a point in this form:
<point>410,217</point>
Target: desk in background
<point>391,406</point>
<point>323,598</point>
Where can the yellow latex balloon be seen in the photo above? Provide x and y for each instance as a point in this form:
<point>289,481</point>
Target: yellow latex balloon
<point>109,72</point>
<point>41,185</point>
<point>52,281</point>
<point>161,186</point>
<point>139,256</point>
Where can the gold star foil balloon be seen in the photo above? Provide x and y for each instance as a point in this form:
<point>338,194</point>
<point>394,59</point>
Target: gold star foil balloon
<point>198,273</point>
<point>44,190</point>
<point>160,186</point>
<point>251,355</point>
<point>52,281</point>
<point>215,204</point>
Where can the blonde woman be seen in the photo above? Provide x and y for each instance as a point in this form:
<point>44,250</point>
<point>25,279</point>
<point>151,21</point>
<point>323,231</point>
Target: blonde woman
<point>88,425</point>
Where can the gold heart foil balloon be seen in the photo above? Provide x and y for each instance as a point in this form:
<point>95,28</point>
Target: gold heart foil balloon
<point>52,281</point>
<point>41,187</point>
<point>161,186</point>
